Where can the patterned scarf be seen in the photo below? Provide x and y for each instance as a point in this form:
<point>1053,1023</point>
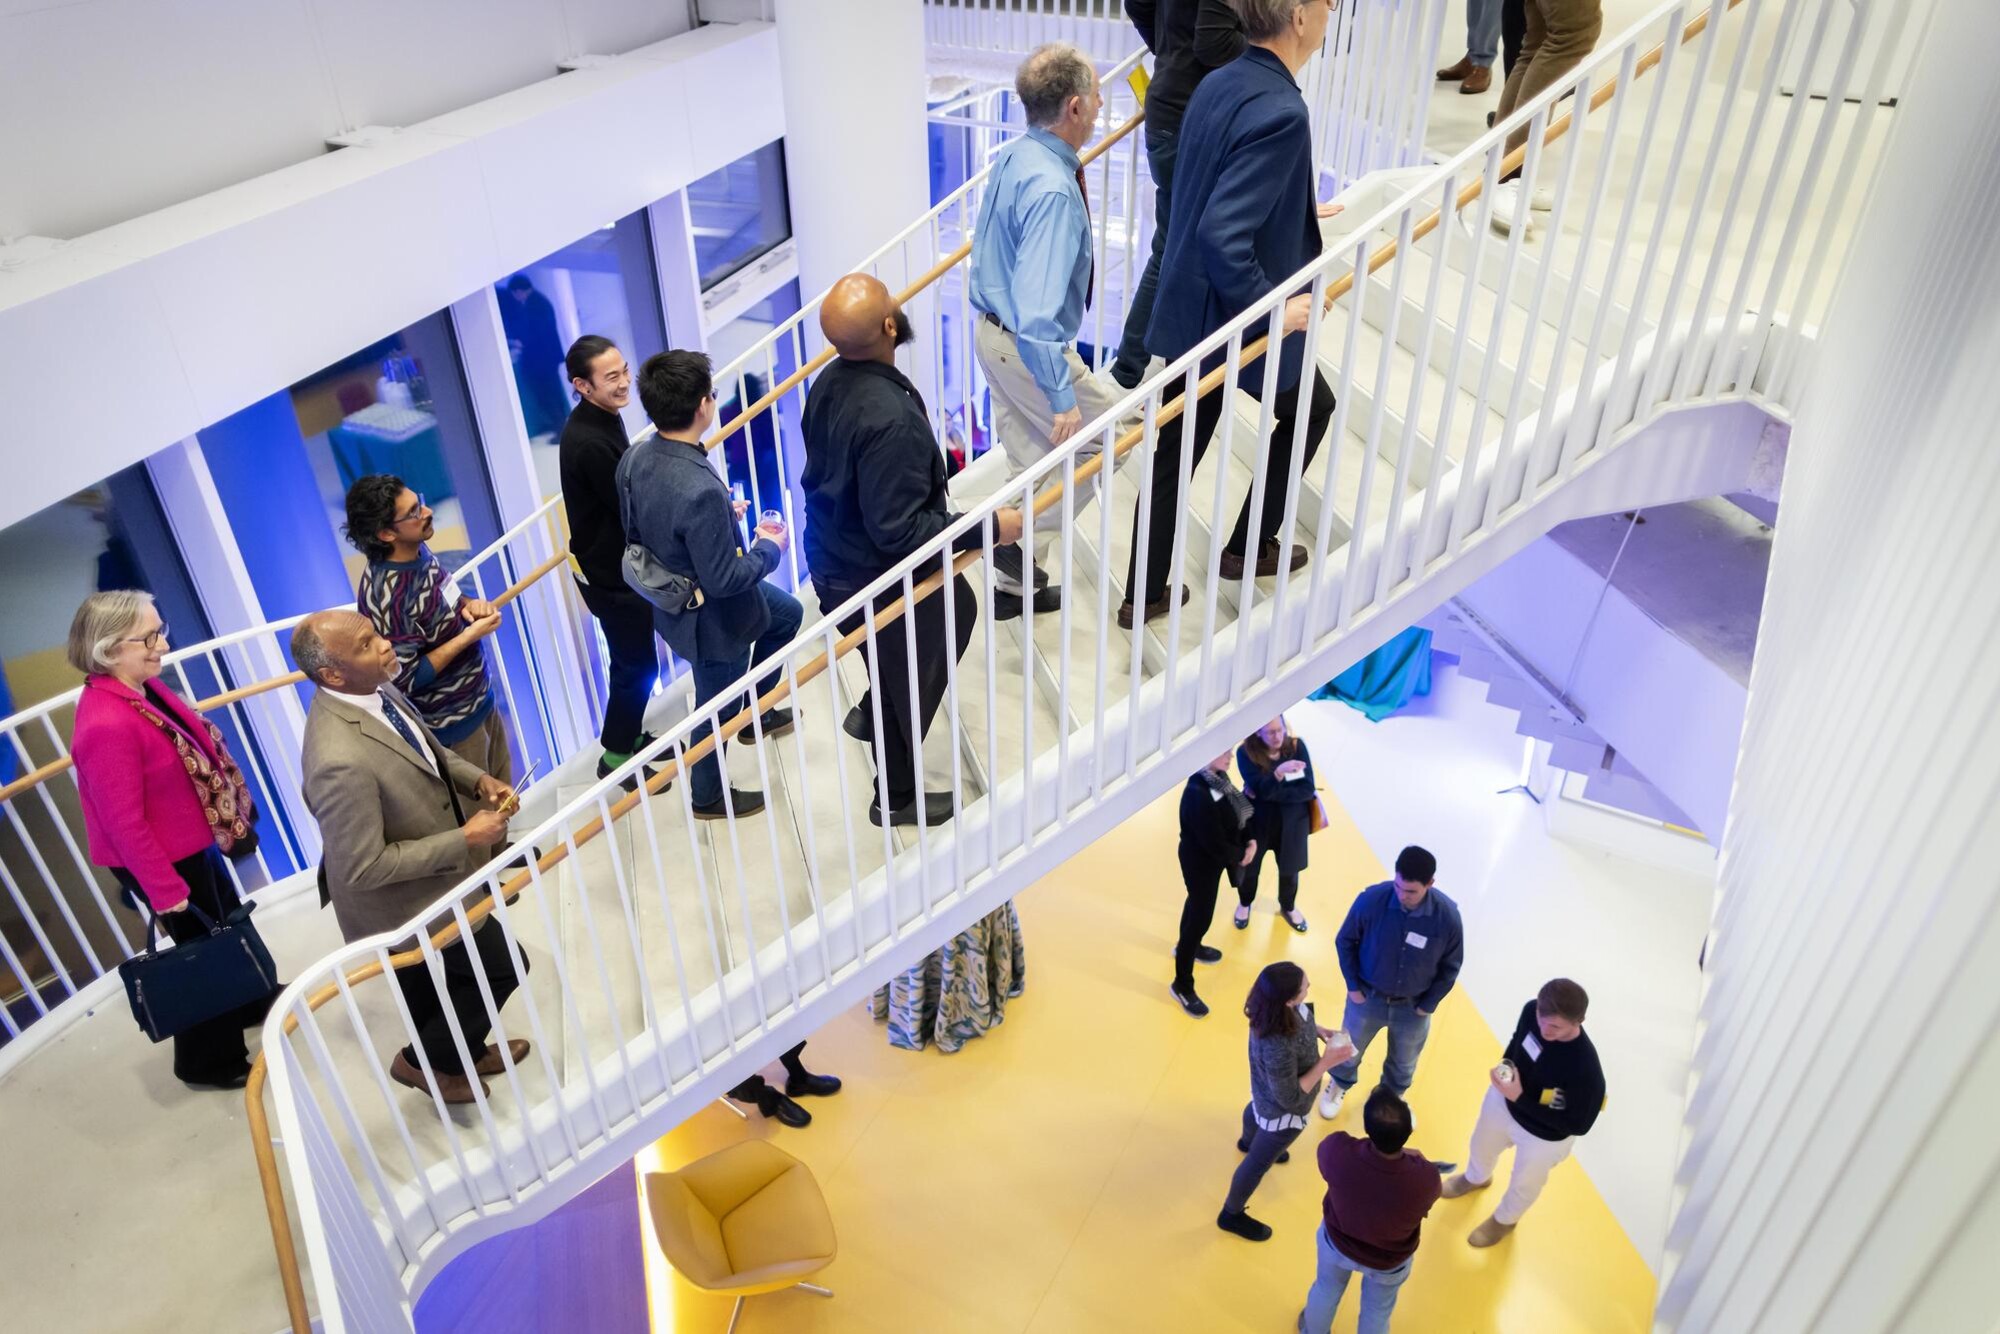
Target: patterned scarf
<point>219,786</point>
<point>1239,805</point>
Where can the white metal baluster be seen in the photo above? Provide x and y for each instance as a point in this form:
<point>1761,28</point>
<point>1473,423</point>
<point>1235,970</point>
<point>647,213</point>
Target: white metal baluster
<point>572,1019</point>
<point>879,751</point>
<point>690,1031</point>
<point>1503,297</point>
<point>851,823</point>
<point>1391,565</point>
<point>379,1070</point>
<point>517,956</point>
<point>481,1100</point>
<point>1371,450</point>
<point>992,636</point>
<point>1218,513</point>
<point>814,894</point>
<point>1066,525</point>
<point>77,858</point>
<point>425,1066</point>
<point>759,742</point>
<point>1260,482</point>
<point>1278,648</point>
<point>1107,501</point>
<point>721,951</point>
<point>1028,651</point>
<point>406,1245</point>
<point>28,987</point>
<point>34,923</point>
<point>1135,588</point>
<point>1337,433</point>
<point>627,904</point>
<point>951,707</point>
<point>1524,357</point>
<point>1449,220</point>
<point>588,915</point>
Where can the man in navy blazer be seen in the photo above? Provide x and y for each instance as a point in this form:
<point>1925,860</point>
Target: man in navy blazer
<point>1243,221</point>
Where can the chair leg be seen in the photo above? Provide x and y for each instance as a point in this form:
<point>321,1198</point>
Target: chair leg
<point>741,1114</point>
<point>814,1287</point>
<point>735,1313</point>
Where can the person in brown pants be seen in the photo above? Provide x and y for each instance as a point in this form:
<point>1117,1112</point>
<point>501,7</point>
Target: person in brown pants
<point>1560,33</point>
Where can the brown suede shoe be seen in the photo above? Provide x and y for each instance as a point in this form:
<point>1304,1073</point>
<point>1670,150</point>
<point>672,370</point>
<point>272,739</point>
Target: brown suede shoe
<point>489,1064</point>
<point>1154,610</point>
<point>1453,73</point>
<point>1477,80</point>
<point>1456,1185</point>
<point>1490,1233</point>
<point>451,1088</point>
<point>1267,561</point>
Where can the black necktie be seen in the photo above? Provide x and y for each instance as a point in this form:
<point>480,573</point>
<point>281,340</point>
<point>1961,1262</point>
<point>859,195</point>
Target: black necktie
<point>402,726</point>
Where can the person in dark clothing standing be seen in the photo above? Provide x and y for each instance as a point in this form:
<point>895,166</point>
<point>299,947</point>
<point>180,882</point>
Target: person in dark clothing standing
<point>1278,776</point>
<point>1243,220</point>
<point>875,493</point>
<point>1546,1091</point>
<point>1215,839</point>
<point>676,507</point>
<point>1400,950</point>
<point>536,344</point>
<point>1286,1065</point>
<point>1188,38</point>
<point>593,442</point>
<point>1377,1193</point>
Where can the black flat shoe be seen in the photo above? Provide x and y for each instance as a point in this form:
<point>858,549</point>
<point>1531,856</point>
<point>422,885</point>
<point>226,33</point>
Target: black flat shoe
<point>1190,1002</point>
<point>783,1110</point>
<point>1244,1226</point>
<point>858,724</point>
<point>1207,954</point>
<point>220,1083</point>
<point>742,801</point>
<point>937,811</point>
<point>1007,606</point>
<point>1284,1155</point>
<point>1240,923</point>
<point>810,1085</point>
<point>631,781</point>
<point>775,722</point>
<point>1296,921</point>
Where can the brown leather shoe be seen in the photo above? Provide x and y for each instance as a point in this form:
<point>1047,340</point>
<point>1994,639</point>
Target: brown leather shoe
<point>1456,1185</point>
<point>1154,610</point>
<point>1267,561</point>
<point>1490,1233</point>
<point>451,1088</point>
<point>489,1064</point>
<point>1477,80</point>
<point>1453,73</point>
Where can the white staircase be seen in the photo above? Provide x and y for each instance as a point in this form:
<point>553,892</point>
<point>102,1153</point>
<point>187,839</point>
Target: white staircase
<point>1490,387</point>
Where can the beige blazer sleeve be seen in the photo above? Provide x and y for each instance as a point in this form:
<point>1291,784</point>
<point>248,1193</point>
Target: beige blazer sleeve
<point>344,798</point>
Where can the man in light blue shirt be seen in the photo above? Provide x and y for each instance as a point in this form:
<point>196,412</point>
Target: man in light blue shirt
<point>1031,276</point>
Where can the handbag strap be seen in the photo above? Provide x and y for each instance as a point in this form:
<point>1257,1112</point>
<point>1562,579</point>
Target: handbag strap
<point>153,927</point>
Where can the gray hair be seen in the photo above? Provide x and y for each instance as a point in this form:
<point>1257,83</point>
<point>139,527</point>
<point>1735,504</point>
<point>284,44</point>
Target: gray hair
<point>1049,78</point>
<point>310,652</point>
<point>103,620</point>
<point>1265,19</point>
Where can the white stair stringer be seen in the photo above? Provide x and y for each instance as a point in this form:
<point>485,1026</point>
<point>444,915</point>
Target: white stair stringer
<point>860,939</point>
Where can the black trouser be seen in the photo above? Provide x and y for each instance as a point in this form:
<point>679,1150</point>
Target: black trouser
<point>906,719</point>
<point>1267,825</point>
<point>1158,534</point>
<point>1130,368</point>
<point>1203,879</point>
<point>1513,31</point>
<point>427,1007</point>
<point>751,1088</point>
<point>627,621</point>
<point>210,1052</point>
<point>1265,1146</point>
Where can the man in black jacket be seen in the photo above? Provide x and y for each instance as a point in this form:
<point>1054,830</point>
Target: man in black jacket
<point>679,510</point>
<point>1188,38</point>
<point>875,493</point>
<point>1215,840</point>
<point>1546,1092</point>
<point>593,442</point>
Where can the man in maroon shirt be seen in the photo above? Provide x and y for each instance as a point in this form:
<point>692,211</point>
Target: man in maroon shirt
<point>1377,1193</point>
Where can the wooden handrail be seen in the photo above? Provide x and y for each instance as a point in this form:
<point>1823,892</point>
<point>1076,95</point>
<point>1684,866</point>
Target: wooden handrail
<point>668,768</point>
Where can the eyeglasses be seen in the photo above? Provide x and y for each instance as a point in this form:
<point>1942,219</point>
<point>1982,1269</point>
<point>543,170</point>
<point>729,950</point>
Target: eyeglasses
<point>417,512</point>
<point>151,639</point>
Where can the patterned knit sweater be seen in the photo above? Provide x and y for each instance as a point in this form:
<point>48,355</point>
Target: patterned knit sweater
<point>416,610</point>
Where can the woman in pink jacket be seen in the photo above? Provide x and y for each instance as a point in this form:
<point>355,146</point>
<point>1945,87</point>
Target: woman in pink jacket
<point>161,798</point>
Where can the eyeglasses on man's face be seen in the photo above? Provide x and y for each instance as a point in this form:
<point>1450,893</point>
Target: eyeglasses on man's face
<point>152,639</point>
<point>416,511</point>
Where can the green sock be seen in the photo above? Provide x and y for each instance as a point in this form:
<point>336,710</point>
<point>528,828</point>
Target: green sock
<point>614,758</point>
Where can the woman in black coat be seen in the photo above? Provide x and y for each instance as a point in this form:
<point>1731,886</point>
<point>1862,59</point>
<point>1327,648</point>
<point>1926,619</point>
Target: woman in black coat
<point>1278,776</point>
<point>1215,840</point>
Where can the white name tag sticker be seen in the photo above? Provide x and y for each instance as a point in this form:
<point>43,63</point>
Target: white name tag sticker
<point>1532,1047</point>
<point>1416,941</point>
<point>1294,776</point>
<point>1214,796</point>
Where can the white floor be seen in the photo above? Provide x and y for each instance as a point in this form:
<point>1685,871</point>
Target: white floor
<point>1536,907</point>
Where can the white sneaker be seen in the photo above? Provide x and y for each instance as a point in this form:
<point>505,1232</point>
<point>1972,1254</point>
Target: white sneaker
<point>1543,200</point>
<point>1329,1101</point>
<point>1508,211</point>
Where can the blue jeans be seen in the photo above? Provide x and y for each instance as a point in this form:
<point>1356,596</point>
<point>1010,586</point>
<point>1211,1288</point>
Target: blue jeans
<point>711,678</point>
<point>1482,31</point>
<point>1130,367</point>
<point>1407,1032</point>
<point>1379,1289</point>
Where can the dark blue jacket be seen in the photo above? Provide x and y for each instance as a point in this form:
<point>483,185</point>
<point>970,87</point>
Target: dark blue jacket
<point>1377,950</point>
<point>681,513</point>
<point>1244,215</point>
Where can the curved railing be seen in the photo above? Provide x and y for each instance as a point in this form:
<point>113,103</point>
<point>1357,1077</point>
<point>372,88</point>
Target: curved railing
<point>859,903</point>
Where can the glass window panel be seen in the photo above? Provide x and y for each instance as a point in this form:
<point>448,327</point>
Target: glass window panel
<point>739,213</point>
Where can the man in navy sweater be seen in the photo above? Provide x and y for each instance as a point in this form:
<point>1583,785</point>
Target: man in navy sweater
<point>1242,221</point>
<point>1547,1091</point>
<point>1400,950</point>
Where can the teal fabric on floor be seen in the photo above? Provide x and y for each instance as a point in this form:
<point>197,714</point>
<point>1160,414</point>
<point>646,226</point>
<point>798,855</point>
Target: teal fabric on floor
<point>1386,679</point>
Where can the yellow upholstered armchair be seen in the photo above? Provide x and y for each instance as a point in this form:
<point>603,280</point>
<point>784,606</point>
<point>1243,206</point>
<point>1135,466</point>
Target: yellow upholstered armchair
<point>746,1220</point>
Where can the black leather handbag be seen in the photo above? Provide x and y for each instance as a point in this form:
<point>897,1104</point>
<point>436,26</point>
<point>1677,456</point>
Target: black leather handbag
<point>172,990</point>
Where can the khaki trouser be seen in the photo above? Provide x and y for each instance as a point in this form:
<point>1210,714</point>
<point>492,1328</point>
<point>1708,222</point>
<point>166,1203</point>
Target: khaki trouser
<point>1022,419</point>
<point>1560,34</point>
<point>486,748</point>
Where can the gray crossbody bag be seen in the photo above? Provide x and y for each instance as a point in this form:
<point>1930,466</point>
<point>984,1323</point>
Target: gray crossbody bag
<point>644,575</point>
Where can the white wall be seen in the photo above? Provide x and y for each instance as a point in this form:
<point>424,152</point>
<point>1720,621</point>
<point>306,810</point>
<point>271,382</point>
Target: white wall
<point>1841,1153</point>
<point>113,108</point>
<point>175,320</point>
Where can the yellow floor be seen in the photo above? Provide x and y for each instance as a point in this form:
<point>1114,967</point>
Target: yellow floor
<point>1063,1173</point>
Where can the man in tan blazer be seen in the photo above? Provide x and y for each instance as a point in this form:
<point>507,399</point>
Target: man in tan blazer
<point>390,802</point>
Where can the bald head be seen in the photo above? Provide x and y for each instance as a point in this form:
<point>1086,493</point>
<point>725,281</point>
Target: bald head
<point>862,321</point>
<point>341,651</point>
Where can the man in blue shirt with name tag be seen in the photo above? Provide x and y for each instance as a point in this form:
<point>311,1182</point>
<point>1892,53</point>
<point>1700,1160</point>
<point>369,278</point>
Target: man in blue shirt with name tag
<point>1032,266</point>
<point>1400,950</point>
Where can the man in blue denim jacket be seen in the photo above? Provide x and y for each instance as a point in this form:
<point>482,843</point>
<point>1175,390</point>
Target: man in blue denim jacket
<point>1400,950</point>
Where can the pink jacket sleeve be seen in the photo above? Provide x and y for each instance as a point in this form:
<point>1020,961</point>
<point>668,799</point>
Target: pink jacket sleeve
<point>116,773</point>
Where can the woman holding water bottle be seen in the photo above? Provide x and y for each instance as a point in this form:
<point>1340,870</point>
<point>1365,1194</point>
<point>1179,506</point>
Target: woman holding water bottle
<point>1278,776</point>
